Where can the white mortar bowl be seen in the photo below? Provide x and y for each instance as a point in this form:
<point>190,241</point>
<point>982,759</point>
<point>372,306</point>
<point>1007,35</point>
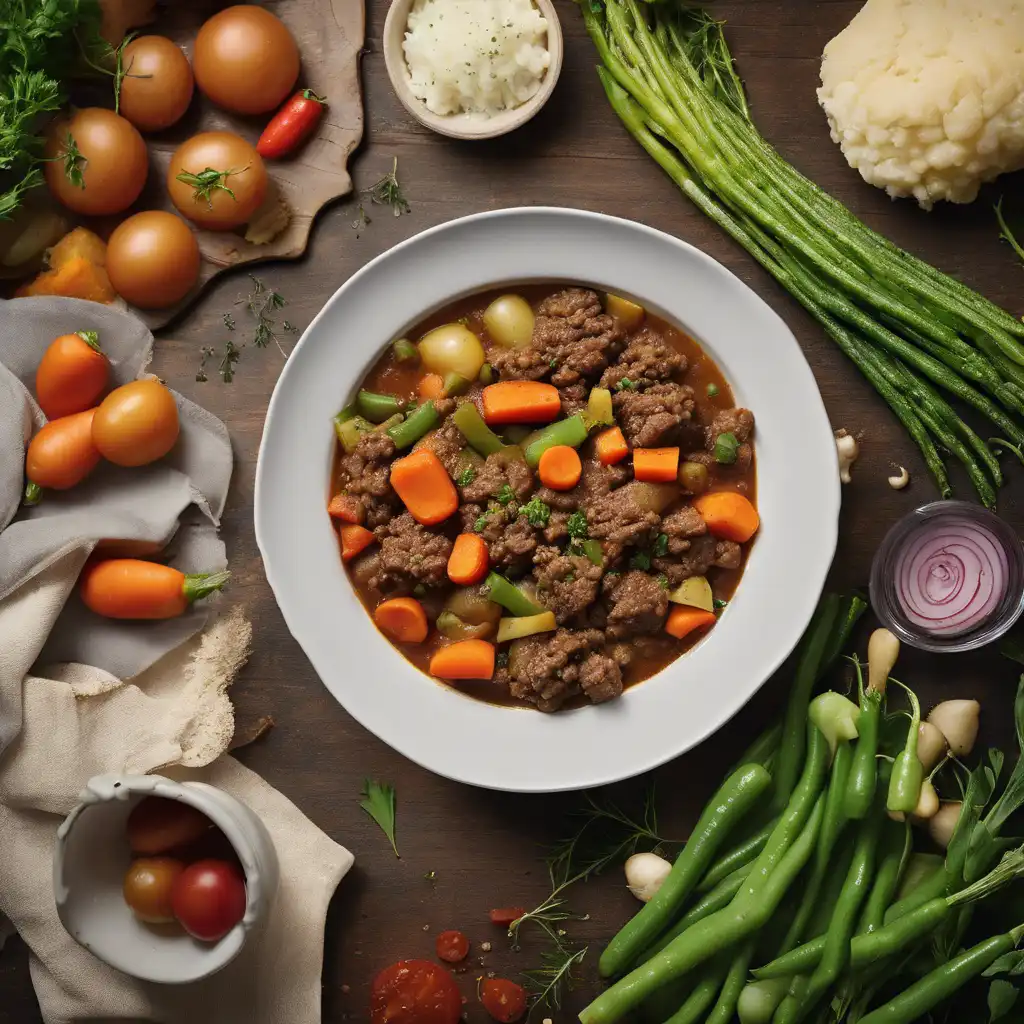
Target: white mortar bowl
<point>92,856</point>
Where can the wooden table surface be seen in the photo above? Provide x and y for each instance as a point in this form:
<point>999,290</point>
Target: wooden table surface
<point>485,848</point>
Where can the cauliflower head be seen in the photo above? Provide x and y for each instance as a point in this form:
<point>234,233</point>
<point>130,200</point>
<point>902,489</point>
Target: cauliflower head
<point>926,97</point>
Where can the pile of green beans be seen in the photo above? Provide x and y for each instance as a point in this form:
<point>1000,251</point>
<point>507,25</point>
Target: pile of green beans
<point>784,897</point>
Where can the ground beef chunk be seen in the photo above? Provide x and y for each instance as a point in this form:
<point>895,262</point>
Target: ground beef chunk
<point>616,518</point>
<point>648,359</point>
<point>739,423</point>
<point>728,555</point>
<point>545,669</point>
<point>695,561</point>
<point>447,444</point>
<point>572,339</point>
<point>639,605</point>
<point>574,399</point>
<point>365,473</point>
<point>680,526</point>
<point>601,678</point>
<point>497,472</point>
<point>561,501</point>
<point>566,584</point>
<point>514,547</point>
<point>410,554</point>
<point>648,417</point>
<point>558,526</point>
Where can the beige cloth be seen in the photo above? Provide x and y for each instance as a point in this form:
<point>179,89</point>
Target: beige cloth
<point>63,722</point>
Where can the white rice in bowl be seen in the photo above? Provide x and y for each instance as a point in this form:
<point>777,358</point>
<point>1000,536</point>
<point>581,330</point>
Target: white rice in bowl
<point>475,56</point>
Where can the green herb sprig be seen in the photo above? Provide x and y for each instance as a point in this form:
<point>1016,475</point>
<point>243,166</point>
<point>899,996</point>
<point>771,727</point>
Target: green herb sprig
<point>379,803</point>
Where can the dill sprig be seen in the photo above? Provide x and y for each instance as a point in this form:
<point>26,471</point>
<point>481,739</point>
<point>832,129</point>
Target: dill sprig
<point>388,192</point>
<point>548,983</point>
<point>260,302</point>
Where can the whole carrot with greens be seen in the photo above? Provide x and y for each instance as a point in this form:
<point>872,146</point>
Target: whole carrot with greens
<point>130,588</point>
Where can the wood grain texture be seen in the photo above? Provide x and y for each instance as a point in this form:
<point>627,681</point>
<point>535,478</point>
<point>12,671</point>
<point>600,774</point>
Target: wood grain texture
<point>330,37</point>
<point>486,848</point>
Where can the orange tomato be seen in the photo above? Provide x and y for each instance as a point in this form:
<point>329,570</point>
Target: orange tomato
<point>158,86</point>
<point>72,375</point>
<point>136,423</point>
<point>147,888</point>
<point>153,259</point>
<point>63,453</point>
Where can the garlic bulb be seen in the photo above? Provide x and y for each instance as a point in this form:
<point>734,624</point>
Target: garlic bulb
<point>645,873</point>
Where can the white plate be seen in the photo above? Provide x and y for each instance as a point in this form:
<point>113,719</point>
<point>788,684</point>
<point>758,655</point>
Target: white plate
<point>521,749</point>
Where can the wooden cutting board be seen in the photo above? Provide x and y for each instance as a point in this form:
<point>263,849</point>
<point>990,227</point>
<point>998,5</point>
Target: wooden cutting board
<point>330,35</point>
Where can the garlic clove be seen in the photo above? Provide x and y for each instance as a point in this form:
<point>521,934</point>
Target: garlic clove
<point>645,873</point>
<point>958,721</point>
<point>942,825</point>
<point>931,746</point>
<point>847,450</point>
<point>900,480</point>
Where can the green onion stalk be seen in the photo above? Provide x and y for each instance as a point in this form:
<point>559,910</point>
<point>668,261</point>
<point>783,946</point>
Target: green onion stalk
<point>915,333</point>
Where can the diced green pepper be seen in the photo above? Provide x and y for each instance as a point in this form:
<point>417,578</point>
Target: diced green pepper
<point>571,431</point>
<point>455,384</point>
<point>405,351</point>
<point>487,374</point>
<point>509,596</point>
<point>476,432</point>
<point>350,430</point>
<point>516,433</point>
<point>421,422</point>
<point>377,408</point>
<point>599,408</point>
<point>592,549</point>
<point>525,625</point>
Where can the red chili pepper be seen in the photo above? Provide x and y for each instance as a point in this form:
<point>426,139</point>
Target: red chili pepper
<point>292,124</point>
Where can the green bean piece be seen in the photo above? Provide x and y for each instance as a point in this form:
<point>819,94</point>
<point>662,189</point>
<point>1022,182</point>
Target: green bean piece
<point>907,771</point>
<point>851,608</point>
<point>571,431</point>
<point>915,1002</point>
<point>738,857</point>
<point>732,987</point>
<point>735,798</point>
<point>377,408</point>
<point>860,789</point>
<point>487,375</point>
<point>758,1000</point>
<point>418,424</point>
<point>895,847</point>
<point>763,747</point>
<point>406,352</point>
<point>455,384</point>
<point>751,909</point>
<point>793,744</point>
<point>509,596</point>
<point>702,997</point>
<point>477,434</point>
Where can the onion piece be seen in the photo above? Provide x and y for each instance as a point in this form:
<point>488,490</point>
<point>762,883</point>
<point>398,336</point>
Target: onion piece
<point>951,576</point>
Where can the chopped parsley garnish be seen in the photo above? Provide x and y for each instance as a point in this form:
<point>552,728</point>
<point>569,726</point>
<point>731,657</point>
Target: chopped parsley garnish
<point>536,512</point>
<point>553,364</point>
<point>502,659</point>
<point>712,390</point>
<point>466,477</point>
<point>663,581</point>
<point>506,496</point>
<point>625,385</point>
<point>719,603</point>
<point>641,560</point>
<point>570,577</point>
<point>481,521</point>
<point>660,548</point>
<point>726,449</point>
<point>577,526</point>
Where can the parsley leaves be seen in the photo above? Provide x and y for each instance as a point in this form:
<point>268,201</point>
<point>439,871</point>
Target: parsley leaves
<point>660,548</point>
<point>536,512</point>
<point>379,803</point>
<point>506,496</point>
<point>481,521</point>
<point>640,560</point>
<point>625,385</point>
<point>577,526</point>
<point>466,477</point>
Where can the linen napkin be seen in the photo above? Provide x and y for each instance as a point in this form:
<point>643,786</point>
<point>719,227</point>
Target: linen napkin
<point>81,695</point>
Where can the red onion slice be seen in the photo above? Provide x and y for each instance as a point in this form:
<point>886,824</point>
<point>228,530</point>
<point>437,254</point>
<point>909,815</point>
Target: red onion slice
<point>951,576</point>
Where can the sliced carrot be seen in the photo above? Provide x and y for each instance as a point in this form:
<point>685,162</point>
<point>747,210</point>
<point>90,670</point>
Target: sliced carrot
<point>346,507</point>
<point>469,560</point>
<point>431,386</point>
<point>424,485</point>
<point>611,446</point>
<point>521,401</point>
<point>354,539</point>
<point>560,468</point>
<point>403,619</point>
<point>729,515</point>
<point>468,659</point>
<point>683,620</point>
<point>656,465</point>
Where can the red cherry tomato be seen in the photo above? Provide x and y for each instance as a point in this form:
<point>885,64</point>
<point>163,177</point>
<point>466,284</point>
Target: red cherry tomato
<point>452,946</point>
<point>415,992</point>
<point>292,124</point>
<point>208,899</point>
<point>506,915</point>
<point>504,1000</point>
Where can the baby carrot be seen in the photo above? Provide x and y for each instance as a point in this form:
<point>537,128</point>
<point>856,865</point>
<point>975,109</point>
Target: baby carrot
<point>521,401</point>
<point>468,659</point>
<point>423,483</point>
<point>683,620</point>
<point>61,455</point>
<point>656,465</point>
<point>346,507</point>
<point>729,515</point>
<point>430,386</point>
<point>611,446</point>
<point>354,540</point>
<point>469,560</point>
<point>72,375</point>
<point>128,588</point>
<point>403,619</point>
<point>560,468</point>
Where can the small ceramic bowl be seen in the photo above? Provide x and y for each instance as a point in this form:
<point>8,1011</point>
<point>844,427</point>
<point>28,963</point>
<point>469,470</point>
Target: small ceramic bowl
<point>466,126</point>
<point>92,856</point>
